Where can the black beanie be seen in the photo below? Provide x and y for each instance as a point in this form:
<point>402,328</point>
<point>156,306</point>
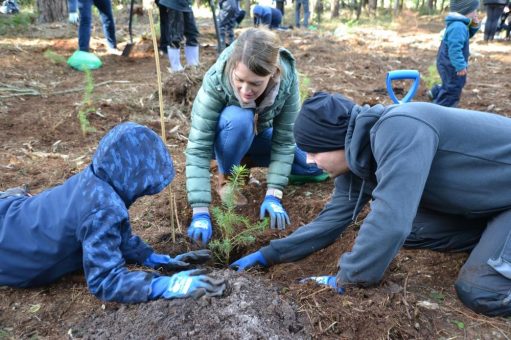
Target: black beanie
<point>464,6</point>
<point>323,122</point>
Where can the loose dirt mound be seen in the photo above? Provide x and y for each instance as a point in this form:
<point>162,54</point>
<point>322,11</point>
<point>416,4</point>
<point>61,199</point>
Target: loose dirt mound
<point>252,309</point>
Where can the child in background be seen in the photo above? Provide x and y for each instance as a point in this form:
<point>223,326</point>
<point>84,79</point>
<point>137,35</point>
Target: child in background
<point>227,19</point>
<point>452,58</point>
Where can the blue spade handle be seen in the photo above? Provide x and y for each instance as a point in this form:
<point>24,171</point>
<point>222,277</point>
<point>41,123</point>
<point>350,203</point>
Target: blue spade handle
<point>401,75</point>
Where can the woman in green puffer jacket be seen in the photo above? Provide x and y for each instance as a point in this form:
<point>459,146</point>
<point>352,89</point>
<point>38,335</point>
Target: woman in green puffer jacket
<point>245,110</point>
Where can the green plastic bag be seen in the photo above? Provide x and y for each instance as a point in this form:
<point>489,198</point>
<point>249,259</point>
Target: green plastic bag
<point>84,61</point>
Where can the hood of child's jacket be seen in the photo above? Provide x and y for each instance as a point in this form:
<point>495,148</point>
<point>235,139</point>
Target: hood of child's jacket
<point>134,161</point>
<point>453,17</point>
<point>358,140</point>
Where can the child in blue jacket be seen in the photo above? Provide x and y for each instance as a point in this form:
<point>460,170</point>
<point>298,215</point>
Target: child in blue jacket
<point>452,58</point>
<point>84,224</point>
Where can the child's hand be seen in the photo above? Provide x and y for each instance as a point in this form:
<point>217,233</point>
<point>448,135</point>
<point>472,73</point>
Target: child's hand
<point>462,72</point>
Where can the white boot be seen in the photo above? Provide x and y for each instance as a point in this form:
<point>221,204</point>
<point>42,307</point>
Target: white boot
<point>192,55</point>
<point>174,59</point>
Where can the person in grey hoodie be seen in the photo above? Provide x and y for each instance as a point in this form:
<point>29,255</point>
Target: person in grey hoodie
<point>437,178</point>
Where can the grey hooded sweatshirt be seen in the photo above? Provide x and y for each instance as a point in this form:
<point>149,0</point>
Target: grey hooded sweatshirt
<point>404,157</point>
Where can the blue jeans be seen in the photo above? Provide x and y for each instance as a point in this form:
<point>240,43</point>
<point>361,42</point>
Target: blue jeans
<point>235,139</point>
<point>305,4</point>
<point>107,19</point>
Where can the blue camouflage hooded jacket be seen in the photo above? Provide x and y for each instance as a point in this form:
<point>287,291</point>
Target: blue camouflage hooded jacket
<point>84,222</point>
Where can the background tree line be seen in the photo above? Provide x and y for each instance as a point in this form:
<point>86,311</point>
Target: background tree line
<point>56,10</point>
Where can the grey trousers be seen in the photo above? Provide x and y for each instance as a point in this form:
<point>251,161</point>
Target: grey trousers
<point>484,281</point>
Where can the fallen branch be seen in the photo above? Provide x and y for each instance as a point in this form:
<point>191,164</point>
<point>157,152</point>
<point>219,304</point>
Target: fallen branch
<point>82,88</point>
<point>17,91</point>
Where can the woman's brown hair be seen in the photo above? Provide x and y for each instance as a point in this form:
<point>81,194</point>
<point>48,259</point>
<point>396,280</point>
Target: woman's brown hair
<point>258,49</point>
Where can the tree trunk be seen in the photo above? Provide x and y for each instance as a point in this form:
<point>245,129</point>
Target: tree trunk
<point>51,10</point>
<point>247,9</point>
<point>334,9</point>
<point>396,8</point>
<point>430,6</point>
<point>373,4</point>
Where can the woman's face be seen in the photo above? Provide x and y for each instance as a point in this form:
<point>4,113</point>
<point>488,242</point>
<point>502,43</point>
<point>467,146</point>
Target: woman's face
<point>249,85</point>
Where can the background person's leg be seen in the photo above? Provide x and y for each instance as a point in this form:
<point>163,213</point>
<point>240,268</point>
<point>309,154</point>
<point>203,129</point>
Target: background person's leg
<point>444,232</point>
<point>306,13</point>
<point>107,19</point>
<point>452,85</point>
<point>297,12</point>
<point>164,28</point>
<point>84,28</point>
<point>479,285</point>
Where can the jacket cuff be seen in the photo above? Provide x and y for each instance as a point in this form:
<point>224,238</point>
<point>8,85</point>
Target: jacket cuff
<point>270,255</point>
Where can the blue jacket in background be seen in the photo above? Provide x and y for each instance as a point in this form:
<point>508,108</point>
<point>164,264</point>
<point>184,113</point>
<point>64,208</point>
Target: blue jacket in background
<point>403,157</point>
<point>454,49</point>
<point>84,222</point>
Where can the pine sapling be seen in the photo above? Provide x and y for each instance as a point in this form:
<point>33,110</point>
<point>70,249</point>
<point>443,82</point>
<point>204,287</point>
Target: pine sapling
<point>235,230</point>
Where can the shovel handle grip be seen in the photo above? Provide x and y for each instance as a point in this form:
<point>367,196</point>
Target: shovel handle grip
<point>402,75</point>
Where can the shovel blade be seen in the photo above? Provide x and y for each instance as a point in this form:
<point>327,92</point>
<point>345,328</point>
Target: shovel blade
<point>127,49</point>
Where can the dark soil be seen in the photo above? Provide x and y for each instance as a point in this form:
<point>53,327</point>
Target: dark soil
<point>252,308</point>
<point>42,145</point>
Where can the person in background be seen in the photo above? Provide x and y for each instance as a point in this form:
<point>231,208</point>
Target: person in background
<point>178,21</point>
<point>244,112</point>
<point>227,19</point>
<point>452,58</point>
<point>298,5</point>
<point>80,12</point>
<point>84,224</point>
<point>266,15</point>
<point>441,183</point>
<point>494,10</point>
<point>280,4</point>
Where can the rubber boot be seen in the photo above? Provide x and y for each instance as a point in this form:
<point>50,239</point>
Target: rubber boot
<point>192,55</point>
<point>174,59</point>
<point>224,190</point>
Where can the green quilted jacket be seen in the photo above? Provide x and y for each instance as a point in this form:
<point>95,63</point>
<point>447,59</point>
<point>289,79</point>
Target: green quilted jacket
<point>214,95</point>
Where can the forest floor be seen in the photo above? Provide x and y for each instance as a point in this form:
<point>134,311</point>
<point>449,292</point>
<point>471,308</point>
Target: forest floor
<point>42,145</point>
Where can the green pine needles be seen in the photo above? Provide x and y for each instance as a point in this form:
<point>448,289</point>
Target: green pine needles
<point>87,104</point>
<point>235,230</point>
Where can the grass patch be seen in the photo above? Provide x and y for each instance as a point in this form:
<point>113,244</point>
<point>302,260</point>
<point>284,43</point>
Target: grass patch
<point>16,23</point>
<point>432,78</point>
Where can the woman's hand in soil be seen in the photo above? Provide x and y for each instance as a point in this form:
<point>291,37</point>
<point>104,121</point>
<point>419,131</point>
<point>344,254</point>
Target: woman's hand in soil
<point>190,283</point>
<point>249,261</point>
<point>325,281</point>
<point>195,257</point>
<point>200,229</point>
<point>166,262</point>
<point>278,216</point>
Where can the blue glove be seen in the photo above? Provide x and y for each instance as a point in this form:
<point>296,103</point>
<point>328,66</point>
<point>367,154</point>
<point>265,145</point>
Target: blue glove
<point>166,262</point>
<point>249,261</point>
<point>190,283</point>
<point>200,229</point>
<point>195,257</point>
<point>324,280</point>
<point>278,216</point>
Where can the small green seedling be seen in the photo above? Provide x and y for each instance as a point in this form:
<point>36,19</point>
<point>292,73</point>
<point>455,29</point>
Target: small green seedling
<point>304,83</point>
<point>54,57</point>
<point>437,296</point>
<point>235,230</point>
<point>86,106</point>
<point>432,78</point>
<point>458,324</point>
